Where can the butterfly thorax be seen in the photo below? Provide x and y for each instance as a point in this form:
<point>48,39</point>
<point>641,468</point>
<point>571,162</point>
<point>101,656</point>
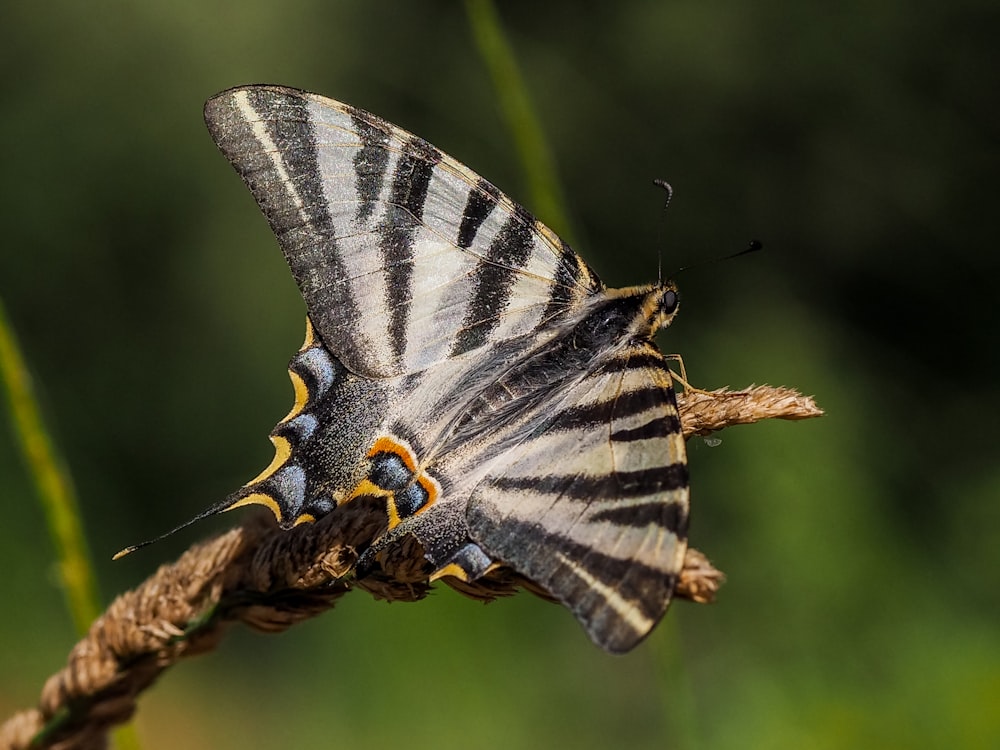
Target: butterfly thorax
<point>657,303</point>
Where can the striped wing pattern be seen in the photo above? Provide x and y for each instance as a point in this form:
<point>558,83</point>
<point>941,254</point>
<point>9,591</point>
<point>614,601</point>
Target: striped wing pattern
<point>594,507</point>
<point>404,256</point>
<point>466,364</point>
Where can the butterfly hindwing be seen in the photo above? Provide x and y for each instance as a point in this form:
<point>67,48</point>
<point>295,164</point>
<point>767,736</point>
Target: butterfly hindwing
<point>403,255</point>
<point>321,444</point>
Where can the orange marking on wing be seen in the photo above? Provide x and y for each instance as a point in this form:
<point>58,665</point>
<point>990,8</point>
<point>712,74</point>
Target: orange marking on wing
<point>367,488</point>
<point>389,445</point>
<point>282,451</point>
<point>301,396</point>
<point>394,519</point>
<point>259,498</point>
<point>433,491</point>
<point>310,335</point>
<point>453,570</point>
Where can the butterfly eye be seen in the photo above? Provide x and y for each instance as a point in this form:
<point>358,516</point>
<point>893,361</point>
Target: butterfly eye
<point>668,302</point>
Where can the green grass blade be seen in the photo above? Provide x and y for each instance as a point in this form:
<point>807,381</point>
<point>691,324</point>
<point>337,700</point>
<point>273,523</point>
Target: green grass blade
<point>55,490</point>
<point>537,162</point>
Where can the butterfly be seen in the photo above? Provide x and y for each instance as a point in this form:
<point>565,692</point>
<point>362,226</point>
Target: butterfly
<point>464,364</point>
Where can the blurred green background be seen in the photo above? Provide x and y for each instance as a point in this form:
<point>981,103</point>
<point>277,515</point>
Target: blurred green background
<point>857,140</point>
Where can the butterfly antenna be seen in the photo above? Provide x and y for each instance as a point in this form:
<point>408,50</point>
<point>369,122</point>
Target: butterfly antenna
<point>752,247</point>
<point>659,254</point>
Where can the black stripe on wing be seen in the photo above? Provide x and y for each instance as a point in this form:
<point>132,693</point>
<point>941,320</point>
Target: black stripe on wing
<point>671,516</point>
<point>619,484</point>
<point>646,583</point>
<point>370,165</point>
<point>620,406</point>
<point>663,426</point>
<point>617,600</point>
<point>398,228</point>
<point>267,134</point>
<point>593,504</point>
<point>482,200</point>
<point>387,190</point>
<point>493,283</point>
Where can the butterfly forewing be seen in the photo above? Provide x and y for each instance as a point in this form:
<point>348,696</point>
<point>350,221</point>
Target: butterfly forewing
<point>594,506</point>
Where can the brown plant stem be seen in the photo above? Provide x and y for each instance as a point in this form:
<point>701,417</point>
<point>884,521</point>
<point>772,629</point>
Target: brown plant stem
<point>271,579</point>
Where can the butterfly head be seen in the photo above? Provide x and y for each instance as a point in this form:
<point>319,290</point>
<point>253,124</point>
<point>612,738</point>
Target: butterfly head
<point>663,302</point>
<point>650,307</point>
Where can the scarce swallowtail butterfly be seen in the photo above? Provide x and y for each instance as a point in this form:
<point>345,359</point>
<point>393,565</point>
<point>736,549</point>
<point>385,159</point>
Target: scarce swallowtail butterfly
<point>464,363</point>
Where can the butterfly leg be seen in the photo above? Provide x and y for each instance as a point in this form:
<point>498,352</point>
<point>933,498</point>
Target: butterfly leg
<point>682,377</point>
